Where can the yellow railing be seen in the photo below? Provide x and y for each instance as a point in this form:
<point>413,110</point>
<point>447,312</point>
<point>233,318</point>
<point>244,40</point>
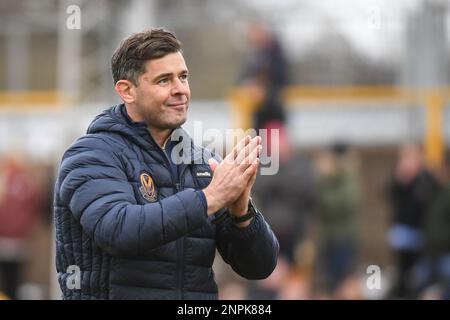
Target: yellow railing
<point>319,94</point>
<point>31,99</point>
<point>433,99</point>
<point>243,104</point>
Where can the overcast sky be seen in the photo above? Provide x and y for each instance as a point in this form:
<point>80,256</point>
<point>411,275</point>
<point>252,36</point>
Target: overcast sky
<point>374,27</point>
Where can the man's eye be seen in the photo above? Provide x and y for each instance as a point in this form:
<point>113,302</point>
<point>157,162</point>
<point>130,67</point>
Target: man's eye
<point>163,81</point>
<point>184,77</point>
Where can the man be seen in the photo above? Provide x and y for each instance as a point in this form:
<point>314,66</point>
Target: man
<point>131,220</point>
<point>265,73</point>
<point>20,210</point>
<point>412,190</point>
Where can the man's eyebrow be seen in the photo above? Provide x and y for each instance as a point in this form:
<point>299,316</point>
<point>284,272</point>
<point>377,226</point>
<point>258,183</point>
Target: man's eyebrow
<point>168,74</point>
<point>162,75</point>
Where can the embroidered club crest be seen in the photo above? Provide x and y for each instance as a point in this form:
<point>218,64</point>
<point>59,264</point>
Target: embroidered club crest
<point>148,189</point>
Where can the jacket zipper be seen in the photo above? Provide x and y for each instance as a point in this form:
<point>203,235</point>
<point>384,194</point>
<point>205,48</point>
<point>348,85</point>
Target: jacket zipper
<point>179,242</point>
<point>180,246</point>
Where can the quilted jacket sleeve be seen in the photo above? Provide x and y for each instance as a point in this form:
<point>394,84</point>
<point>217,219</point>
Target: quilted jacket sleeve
<point>93,185</point>
<point>252,252</point>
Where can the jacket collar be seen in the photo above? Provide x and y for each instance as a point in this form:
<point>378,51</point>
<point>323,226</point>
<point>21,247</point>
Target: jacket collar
<point>139,133</point>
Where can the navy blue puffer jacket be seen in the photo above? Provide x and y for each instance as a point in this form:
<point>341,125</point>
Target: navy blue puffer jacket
<point>127,245</point>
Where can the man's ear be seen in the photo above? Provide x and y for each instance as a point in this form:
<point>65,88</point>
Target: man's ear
<point>125,89</point>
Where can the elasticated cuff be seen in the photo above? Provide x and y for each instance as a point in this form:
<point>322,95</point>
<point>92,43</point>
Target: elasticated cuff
<point>249,231</point>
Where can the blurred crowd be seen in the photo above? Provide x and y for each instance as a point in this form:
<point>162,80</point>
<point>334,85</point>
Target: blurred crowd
<point>25,227</point>
<point>314,205</point>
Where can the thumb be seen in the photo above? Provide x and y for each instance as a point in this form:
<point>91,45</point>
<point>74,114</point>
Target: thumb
<point>213,164</point>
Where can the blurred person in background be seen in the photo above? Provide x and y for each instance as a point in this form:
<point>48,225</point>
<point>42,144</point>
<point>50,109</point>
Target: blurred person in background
<point>273,286</point>
<point>138,221</point>
<point>288,197</point>
<point>337,219</point>
<point>264,73</point>
<point>20,207</point>
<point>436,254</point>
<point>411,190</point>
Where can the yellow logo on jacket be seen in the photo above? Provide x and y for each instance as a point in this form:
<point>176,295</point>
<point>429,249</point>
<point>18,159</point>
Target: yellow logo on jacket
<point>148,189</point>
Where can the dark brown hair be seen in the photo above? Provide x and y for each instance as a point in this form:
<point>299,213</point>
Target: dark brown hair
<point>128,60</point>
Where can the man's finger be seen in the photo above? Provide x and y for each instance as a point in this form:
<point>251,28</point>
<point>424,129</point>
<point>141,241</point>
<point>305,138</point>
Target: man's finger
<point>241,145</point>
<point>250,158</point>
<point>248,149</point>
<point>250,171</point>
<point>213,164</point>
<point>253,178</point>
<point>237,149</point>
<point>245,151</point>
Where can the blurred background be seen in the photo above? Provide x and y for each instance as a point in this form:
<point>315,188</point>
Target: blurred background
<point>359,91</point>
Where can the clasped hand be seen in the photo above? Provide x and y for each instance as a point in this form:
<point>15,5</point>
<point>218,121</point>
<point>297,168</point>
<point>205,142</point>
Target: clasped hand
<point>234,177</point>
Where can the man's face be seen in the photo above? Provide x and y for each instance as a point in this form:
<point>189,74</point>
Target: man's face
<point>162,95</point>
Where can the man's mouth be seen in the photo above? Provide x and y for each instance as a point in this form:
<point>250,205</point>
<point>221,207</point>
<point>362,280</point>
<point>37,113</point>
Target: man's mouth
<point>180,104</point>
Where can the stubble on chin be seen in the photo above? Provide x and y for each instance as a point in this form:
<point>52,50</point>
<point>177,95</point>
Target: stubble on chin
<point>164,122</point>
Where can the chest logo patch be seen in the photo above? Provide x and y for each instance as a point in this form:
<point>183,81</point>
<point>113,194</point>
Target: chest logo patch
<point>203,174</point>
<point>148,188</point>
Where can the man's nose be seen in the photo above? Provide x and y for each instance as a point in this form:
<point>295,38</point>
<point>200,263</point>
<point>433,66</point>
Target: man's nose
<point>180,87</point>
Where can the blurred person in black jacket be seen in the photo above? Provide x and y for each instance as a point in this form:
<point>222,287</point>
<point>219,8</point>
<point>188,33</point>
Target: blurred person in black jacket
<point>435,266</point>
<point>288,197</point>
<point>412,189</point>
<point>265,71</point>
